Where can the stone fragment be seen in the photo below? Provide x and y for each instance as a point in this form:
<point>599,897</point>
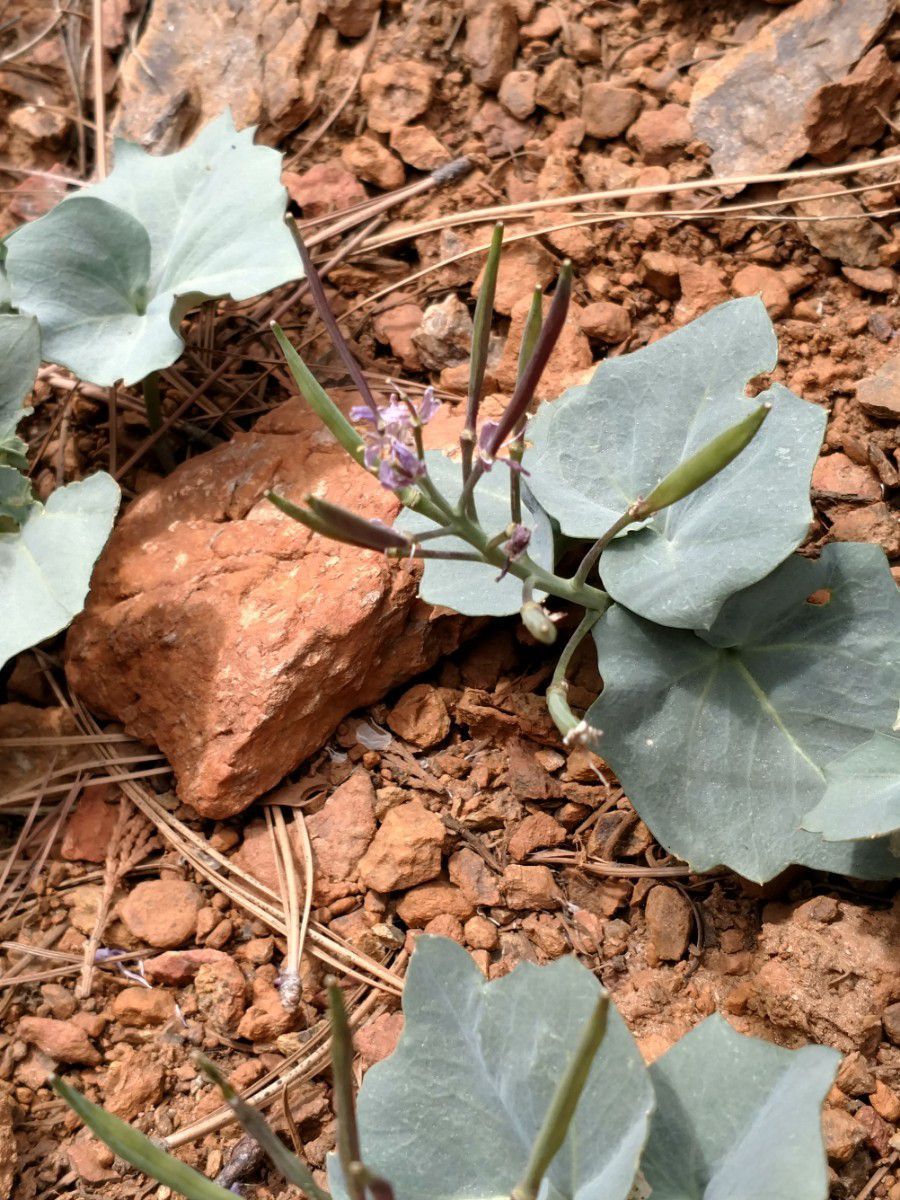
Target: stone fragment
<point>537,831</point>
<point>581,43</point>
<point>875,279</point>
<point>660,271</point>
<point>502,132</point>
<point>181,76</point>
<point>420,716</point>
<point>221,993</point>
<point>608,110</point>
<point>848,234</point>
<point>670,922</point>
<point>395,327</point>
<point>763,281</point>
<point>546,23</point>
<point>351,18</point>
<point>703,286</point>
<point>571,355</point>
<point>481,934</point>
<point>162,912</point>
<point>492,39</point>
<point>419,147</point>
<point>518,93</point>
<point>750,106</point>
<point>559,87</point>
<point>445,335</point>
<point>854,1077</point>
<point>660,135</point>
<point>396,93</point>
<point>606,321</point>
<point>406,849</point>
<point>142,1007</point>
<point>843,1135</point>
<point>473,876</point>
<point>890,1019</point>
<point>266,1018</point>
<point>326,187</point>
<point>63,1041</point>
<point>90,827</point>
<point>133,1084</point>
<point>837,476</point>
<point>879,394</point>
<point>524,266</point>
<point>429,900</point>
<point>878,523</point>
<point>213,617</point>
<point>175,968</point>
<point>886,1102</point>
<point>530,888</point>
<point>846,114</point>
<point>341,831</point>
<point>446,925</point>
<point>369,160</point>
<point>378,1038</point>
<point>91,1161</point>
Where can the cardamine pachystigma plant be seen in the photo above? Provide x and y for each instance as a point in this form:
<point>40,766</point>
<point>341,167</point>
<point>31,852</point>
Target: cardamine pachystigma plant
<point>750,693</point>
<point>532,1088</point>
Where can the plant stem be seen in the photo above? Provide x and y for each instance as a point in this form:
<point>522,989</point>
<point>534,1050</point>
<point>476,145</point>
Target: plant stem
<point>562,1107</point>
<point>481,336</point>
<point>153,408</point>
<point>590,559</point>
<point>349,1151</point>
<point>557,702</point>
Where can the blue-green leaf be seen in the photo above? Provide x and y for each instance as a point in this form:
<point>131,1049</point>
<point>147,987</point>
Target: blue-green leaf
<point>20,355</point>
<point>738,1119</point>
<point>722,741</point>
<point>473,589</point>
<point>601,447</point>
<point>862,799</point>
<point>110,271</point>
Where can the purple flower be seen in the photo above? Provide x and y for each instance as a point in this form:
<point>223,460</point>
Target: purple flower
<point>517,544</point>
<point>387,447</point>
<point>429,405</point>
<point>401,467</point>
<point>485,437</point>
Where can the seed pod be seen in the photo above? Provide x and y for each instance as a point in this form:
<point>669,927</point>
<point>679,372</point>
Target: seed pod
<point>341,525</point>
<point>535,619</point>
<point>702,466</point>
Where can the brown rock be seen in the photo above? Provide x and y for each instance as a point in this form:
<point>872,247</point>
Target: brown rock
<point>843,1135</point>
<point>837,476</point>
<point>660,135</point>
<point>133,1084</point>
<point>351,18</point>
<point>753,126</point>
<point>848,234</point>
<point>221,993</point>
<point>660,271</point>
<point>763,281</point>
<point>530,887</point>
<point>378,1038</point>
<point>341,831</point>
<point>429,900</point>
<point>325,188</point>
<point>878,523</point>
<point>846,114</point>
<point>669,922</point>
<point>886,1102</point>
<point>406,849</point>
<point>140,1007</point>
<point>369,160</point>
<point>474,877</point>
<point>175,968</point>
<point>492,40</point>
<point>890,1019</point>
<point>162,912</point>
<point>266,1018</point>
<point>546,23</point>
<point>445,925</point>
<point>518,93</point>
<point>650,177</point>
<point>395,327</point>
<point>879,394</point>
<point>481,934</point>
<point>559,87</point>
<point>90,827</point>
<point>854,1077</point>
<point>213,618</point>
<point>606,321</point>
<point>419,147</point>
<point>182,77</point>
<point>445,336</point>
<point>523,267</point>
<point>702,288</point>
<point>396,93</point>
<point>255,854</point>
<point>536,831</point>
<point>63,1041</point>
<point>420,716</point>
<point>875,279</point>
<point>608,110</point>
<point>581,43</point>
<point>502,132</point>
<point>91,1161</point>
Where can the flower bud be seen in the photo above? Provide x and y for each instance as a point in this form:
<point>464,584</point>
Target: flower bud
<point>537,622</point>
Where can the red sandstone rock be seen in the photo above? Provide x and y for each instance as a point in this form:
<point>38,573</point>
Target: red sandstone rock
<point>378,1038</point>
<point>670,922</point>
<point>141,1007</point>
<point>420,716</point>
<point>846,114</point>
<point>133,1084</point>
<point>214,619</point>
<point>536,831</point>
<point>395,326</point>
<point>396,93</point>
<point>374,163</point>
<point>492,37</point>
<point>341,831</point>
<point>406,849</point>
<point>661,134</point>
<point>162,912</point>
<point>352,18</point>
<point>763,281</point>
<point>608,110</point>
<point>90,827</point>
<point>63,1041</point>
<point>325,188</point>
<point>221,990</point>
<point>606,321</point>
<point>419,147</point>
<point>836,475</point>
<point>530,888</point>
<point>429,900</point>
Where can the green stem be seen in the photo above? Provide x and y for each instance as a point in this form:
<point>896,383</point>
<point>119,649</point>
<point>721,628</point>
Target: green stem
<point>590,559</point>
<point>562,1107</point>
<point>557,702</point>
<point>349,1151</point>
<point>153,408</point>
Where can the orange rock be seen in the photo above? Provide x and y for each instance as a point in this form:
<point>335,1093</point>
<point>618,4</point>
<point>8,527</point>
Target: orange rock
<point>266,1018</point>
<point>608,110</point>
<point>886,1102</point>
<point>420,716</point>
<point>473,876</point>
<point>523,266</point>
<point>517,93</point>
<point>326,187</point>
<point>378,1038</point>
<point>63,1041</point>
<point>369,160</point>
<point>660,135</point>
<point>406,849</point>
<point>429,900</point>
<point>175,968</point>
<point>396,93</point>
<point>530,888</point>
<point>395,326</point>
<point>343,828</point>
<point>91,1161</point>
<point>763,281</point>
<point>133,1084</point>
<point>351,18</point>
<point>847,114</point>
<point>221,992</point>
<point>836,475</point>
<point>419,147</point>
<point>162,912</point>
<point>607,321</point>
<point>536,831</point>
<point>90,826</point>
<point>670,922</point>
<point>140,1007</point>
<point>480,933</point>
<point>492,39</point>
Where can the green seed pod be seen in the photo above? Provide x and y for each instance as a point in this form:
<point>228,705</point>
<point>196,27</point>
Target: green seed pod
<point>702,466</point>
<point>535,619</point>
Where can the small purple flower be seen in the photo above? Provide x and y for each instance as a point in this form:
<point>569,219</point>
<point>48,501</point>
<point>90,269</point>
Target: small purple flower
<point>429,405</point>
<point>387,447</point>
<point>485,437</point>
<point>517,544</point>
<point>401,468</point>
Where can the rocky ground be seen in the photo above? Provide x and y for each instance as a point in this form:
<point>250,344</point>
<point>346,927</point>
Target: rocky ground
<point>403,752</point>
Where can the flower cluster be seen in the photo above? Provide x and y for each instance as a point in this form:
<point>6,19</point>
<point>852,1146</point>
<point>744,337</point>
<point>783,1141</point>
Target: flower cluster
<point>391,447</point>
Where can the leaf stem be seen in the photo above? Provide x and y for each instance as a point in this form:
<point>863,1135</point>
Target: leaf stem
<point>562,1107</point>
<point>557,701</point>
<point>590,559</point>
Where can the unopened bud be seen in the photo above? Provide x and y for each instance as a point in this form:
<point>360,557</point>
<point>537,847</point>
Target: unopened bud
<point>538,623</point>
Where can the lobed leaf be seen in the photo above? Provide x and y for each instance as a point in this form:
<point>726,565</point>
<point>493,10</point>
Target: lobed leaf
<point>111,270</point>
<point>45,566</point>
<point>862,797</point>
<point>453,1113</point>
<point>722,741</point>
<point>601,447</point>
<point>473,589</point>
<point>738,1119</point>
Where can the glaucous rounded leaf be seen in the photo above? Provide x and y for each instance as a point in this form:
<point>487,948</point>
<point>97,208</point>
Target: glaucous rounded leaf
<point>601,447</point>
<point>110,271</point>
<point>738,1119</point>
<point>472,588</point>
<point>862,797</point>
<point>20,356</point>
<point>721,741</point>
<point>453,1113</point>
<point>45,566</point>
